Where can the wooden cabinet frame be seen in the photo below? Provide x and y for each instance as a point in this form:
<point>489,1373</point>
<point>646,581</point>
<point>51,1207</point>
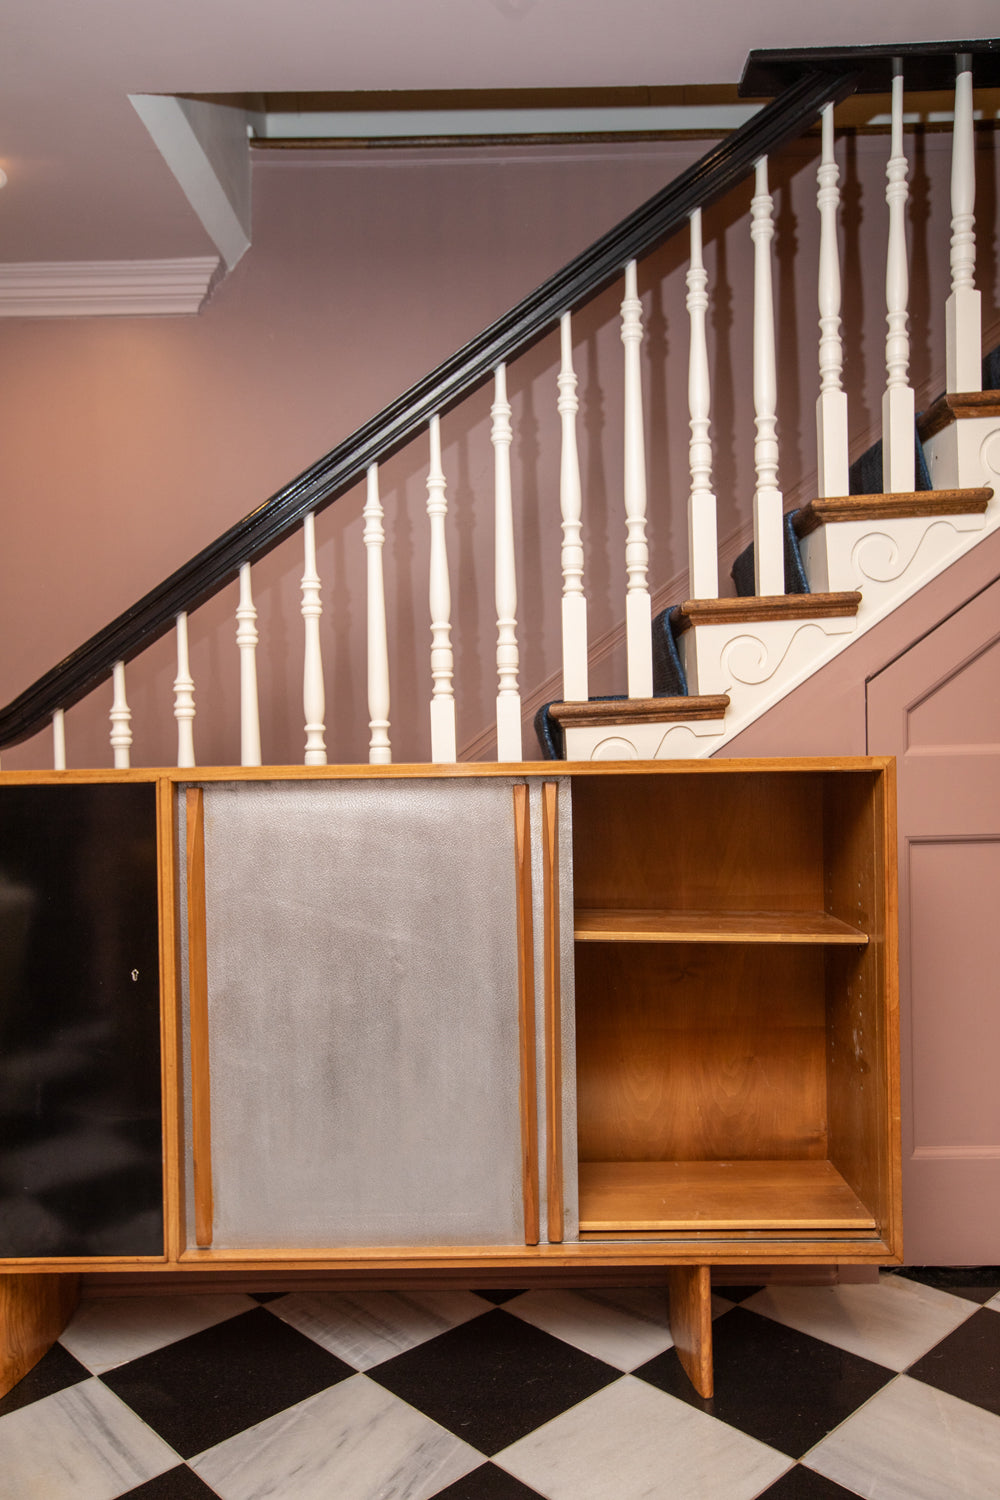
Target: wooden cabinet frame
<point>736,1035</point>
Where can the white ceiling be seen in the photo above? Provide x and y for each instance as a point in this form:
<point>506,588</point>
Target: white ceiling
<point>86,182</point>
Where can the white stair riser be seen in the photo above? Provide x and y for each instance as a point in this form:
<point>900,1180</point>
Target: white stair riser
<point>965,454</point>
<point>758,663</point>
<point>887,559</point>
<point>688,739</point>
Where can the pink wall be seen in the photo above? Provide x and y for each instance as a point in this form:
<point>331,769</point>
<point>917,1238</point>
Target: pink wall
<point>129,444</point>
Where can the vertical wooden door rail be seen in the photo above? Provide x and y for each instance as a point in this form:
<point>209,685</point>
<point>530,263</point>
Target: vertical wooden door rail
<point>170,1042</point>
<point>201,1114</point>
<point>553,1015</point>
<point>526,1018</point>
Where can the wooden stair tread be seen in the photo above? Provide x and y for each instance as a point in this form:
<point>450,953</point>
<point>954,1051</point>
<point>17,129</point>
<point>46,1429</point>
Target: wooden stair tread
<point>639,710</point>
<point>897,506</point>
<point>750,609</point>
<point>733,1195</point>
<point>953,407</point>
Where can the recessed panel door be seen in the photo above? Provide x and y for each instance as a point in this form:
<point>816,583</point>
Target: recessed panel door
<point>938,710</point>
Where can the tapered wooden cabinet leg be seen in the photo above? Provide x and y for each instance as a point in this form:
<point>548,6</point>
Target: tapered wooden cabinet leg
<point>34,1310</point>
<point>691,1323</point>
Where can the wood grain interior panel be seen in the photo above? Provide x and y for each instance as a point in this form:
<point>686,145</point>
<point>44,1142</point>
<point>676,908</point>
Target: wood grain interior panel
<point>740,842</point>
<point>699,1051</point>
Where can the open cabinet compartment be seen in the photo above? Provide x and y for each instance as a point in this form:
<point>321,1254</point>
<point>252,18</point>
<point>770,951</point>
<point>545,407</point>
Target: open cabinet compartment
<point>736,1004</point>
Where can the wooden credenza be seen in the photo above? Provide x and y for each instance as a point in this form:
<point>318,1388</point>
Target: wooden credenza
<point>480,1023</point>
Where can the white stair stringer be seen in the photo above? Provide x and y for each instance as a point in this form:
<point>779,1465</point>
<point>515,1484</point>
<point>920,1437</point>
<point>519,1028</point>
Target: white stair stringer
<point>965,454</point>
<point>757,663</point>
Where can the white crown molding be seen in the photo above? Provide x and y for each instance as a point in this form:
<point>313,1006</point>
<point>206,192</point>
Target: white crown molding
<point>106,288</point>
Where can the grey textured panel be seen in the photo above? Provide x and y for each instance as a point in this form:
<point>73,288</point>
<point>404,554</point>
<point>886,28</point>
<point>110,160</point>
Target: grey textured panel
<point>363,1013</point>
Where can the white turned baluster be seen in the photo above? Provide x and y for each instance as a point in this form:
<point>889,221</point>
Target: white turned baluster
<point>443,749</point>
<point>508,696</point>
<point>246,640</point>
<point>59,740</point>
<point>768,537</point>
<point>574,600</point>
<point>184,697</point>
<point>831,406</point>
<point>638,613</point>
<point>379,751</point>
<point>962,311</point>
<point>897,402</point>
<point>121,720</point>
<point>313,695</point>
<point>703,546</point>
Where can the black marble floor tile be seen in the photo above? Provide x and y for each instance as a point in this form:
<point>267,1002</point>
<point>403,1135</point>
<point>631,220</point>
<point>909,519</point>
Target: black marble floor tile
<point>175,1484</point>
<point>54,1372</point>
<point>803,1484</point>
<point>487,1483</point>
<point>494,1379</point>
<point>264,1297</point>
<point>799,1390</point>
<point>977,1283</point>
<point>735,1293</point>
<point>967,1363</point>
<point>498,1297</point>
<point>203,1389</point>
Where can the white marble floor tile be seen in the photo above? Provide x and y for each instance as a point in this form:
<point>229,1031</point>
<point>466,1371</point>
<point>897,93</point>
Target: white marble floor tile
<point>892,1321</point>
<point>80,1444</point>
<point>624,1327</point>
<point>104,1334</point>
<point>994,1302</point>
<point>354,1441</point>
<point>911,1442</point>
<point>632,1442</point>
<point>365,1328</point>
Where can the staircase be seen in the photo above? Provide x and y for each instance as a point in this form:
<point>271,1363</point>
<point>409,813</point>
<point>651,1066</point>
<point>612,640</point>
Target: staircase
<point>700,671</point>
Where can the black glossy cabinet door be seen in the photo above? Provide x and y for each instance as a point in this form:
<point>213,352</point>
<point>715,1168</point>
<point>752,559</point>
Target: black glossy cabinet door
<point>80,1124</point>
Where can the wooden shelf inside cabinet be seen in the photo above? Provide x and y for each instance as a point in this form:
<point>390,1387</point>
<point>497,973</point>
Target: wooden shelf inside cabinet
<point>645,1196</point>
<point>665,926</point>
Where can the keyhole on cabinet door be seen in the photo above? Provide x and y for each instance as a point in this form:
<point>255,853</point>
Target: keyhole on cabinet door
<point>135,975</point>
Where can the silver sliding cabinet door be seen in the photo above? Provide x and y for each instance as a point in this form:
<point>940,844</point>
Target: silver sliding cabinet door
<point>363,1015</point>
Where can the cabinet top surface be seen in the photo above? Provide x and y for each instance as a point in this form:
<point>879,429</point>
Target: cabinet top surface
<point>546,770</point>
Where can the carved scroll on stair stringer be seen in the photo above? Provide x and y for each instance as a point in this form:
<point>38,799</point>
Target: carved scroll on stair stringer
<point>748,659</point>
<point>679,741</point>
<point>726,659</point>
<point>989,457</point>
<point>878,557</point>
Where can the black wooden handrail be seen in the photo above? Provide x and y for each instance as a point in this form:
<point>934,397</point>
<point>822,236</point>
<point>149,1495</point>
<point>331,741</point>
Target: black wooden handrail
<point>707,180</point>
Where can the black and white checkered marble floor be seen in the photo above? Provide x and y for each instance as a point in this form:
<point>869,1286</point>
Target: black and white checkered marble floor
<point>889,1391</point>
